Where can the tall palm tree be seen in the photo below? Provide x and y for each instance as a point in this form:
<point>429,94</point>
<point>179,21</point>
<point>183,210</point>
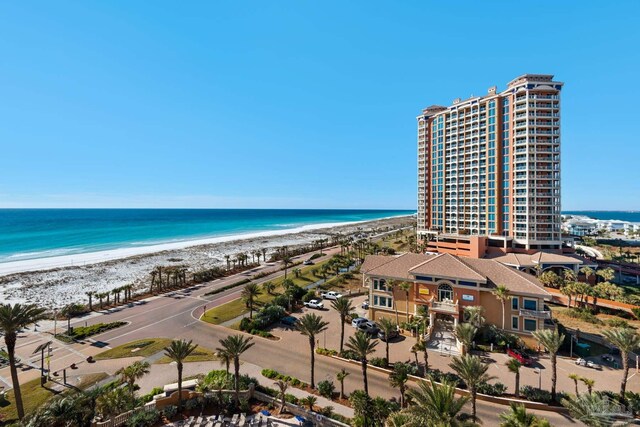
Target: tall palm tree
<point>362,345</point>
<point>435,404</point>
<point>406,287</point>
<point>627,340</point>
<point>311,325</point>
<point>514,366</point>
<point>517,416</point>
<point>465,333</point>
<point>575,377</point>
<point>178,351</point>
<point>227,257</point>
<point>606,274</point>
<point>234,346</point>
<point>14,318</point>
<point>90,295</point>
<point>282,393</point>
<point>588,272</point>
<point>423,347</point>
<point>501,292</point>
<point>589,383</point>
<point>341,376</point>
<point>597,410</point>
<point>391,285</point>
<point>551,340</point>
<point>249,295</point>
<point>286,261</point>
<point>224,357</point>
<point>133,373</point>
<point>473,372</point>
<point>344,307</point>
<point>398,379</point>
<point>387,326</point>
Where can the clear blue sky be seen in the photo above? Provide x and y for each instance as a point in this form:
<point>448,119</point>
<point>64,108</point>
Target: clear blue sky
<point>293,103</point>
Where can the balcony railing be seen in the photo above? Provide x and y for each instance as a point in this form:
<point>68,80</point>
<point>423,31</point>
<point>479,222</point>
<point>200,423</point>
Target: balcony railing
<point>450,307</point>
<point>535,313</point>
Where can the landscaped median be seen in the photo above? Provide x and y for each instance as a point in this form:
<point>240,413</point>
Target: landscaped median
<point>143,348</point>
<point>529,404</point>
<point>82,332</point>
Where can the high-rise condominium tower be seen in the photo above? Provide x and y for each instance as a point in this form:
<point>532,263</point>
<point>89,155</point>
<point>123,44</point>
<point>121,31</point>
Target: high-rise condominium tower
<point>489,171</point>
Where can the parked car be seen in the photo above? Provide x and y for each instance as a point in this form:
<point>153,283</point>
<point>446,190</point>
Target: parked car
<point>308,262</point>
<point>365,304</point>
<point>393,334</point>
<point>331,295</point>
<point>369,327</point>
<point>358,321</point>
<point>519,356</point>
<point>314,303</point>
<point>289,321</point>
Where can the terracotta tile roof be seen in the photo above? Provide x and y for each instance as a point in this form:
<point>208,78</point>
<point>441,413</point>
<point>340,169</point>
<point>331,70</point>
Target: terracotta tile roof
<point>446,265</point>
<point>526,260</point>
<point>398,266</point>
<point>488,271</point>
<point>500,274</point>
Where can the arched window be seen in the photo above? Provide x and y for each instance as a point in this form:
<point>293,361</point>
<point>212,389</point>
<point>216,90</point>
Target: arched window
<point>445,292</point>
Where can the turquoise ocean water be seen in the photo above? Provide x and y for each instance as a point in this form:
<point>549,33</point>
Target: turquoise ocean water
<point>631,216</point>
<point>40,233</point>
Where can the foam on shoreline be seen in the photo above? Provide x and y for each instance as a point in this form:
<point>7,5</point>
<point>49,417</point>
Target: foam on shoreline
<point>81,259</point>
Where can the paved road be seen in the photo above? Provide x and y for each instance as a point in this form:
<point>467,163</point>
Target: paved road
<point>177,317</point>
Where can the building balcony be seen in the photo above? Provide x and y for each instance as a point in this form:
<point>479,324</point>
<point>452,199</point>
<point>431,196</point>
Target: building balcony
<point>538,314</point>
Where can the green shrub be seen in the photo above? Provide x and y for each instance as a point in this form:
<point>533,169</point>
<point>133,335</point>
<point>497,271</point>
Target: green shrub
<point>497,389</point>
<point>326,351</point>
<point>380,362</point>
<point>584,314</point>
<point>618,323</point>
<point>170,411</point>
<point>438,376</point>
<point>143,419</point>
<point>315,256</point>
<point>535,395</point>
<point>636,312</point>
<point>326,388</point>
<point>350,354</point>
<point>270,373</point>
<point>82,332</point>
<point>290,398</point>
<point>149,396</point>
<point>309,296</point>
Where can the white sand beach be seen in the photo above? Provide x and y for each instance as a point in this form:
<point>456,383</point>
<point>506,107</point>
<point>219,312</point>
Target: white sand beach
<point>57,281</point>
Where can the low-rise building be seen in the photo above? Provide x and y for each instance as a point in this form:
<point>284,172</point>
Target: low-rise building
<point>446,284</point>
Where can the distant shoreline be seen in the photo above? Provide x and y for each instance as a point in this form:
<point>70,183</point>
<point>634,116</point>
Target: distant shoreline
<point>625,216</point>
<point>88,258</point>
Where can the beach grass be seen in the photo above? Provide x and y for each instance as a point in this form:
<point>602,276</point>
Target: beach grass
<point>33,396</point>
<point>143,348</point>
<point>200,354</point>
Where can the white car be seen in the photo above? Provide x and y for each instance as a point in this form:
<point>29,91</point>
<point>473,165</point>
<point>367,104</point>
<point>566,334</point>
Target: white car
<point>358,321</point>
<point>331,295</point>
<point>314,303</point>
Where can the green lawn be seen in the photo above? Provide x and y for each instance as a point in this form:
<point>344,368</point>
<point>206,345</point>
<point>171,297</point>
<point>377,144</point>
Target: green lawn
<point>147,347</point>
<point>200,354</point>
<point>33,396</point>
<point>237,307</point>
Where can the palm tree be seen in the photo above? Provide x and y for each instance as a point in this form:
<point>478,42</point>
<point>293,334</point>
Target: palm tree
<point>344,307</point>
<point>473,372</point>
<point>391,286</point>
<point>588,272</point>
<point>269,287</point>
<point>606,274</point>
<point>575,378</point>
<point>224,357</point>
<point>518,416</point>
<point>597,410</point>
<point>282,393</point>
<point>406,287</point>
<point>514,366</point>
<point>341,376</point>
<point>551,340</point>
<point>501,292</point>
<point>249,295</point>
<point>133,373</point>
<point>465,333</point>
<point>627,340</point>
<point>234,346</point>
<point>90,294</point>
<point>227,257</point>
<point>311,325</point>
<point>286,261</point>
<point>178,351</point>
<point>309,401</point>
<point>474,315</point>
<point>14,318</point>
<point>434,404</point>
<point>387,326</point>
<point>264,254</point>
<point>398,379</point>
<point>422,346</point>
<point>588,382</point>
<point>362,345</point>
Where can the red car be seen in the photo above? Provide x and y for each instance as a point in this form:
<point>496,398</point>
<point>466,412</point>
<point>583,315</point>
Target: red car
<point>519,356</point>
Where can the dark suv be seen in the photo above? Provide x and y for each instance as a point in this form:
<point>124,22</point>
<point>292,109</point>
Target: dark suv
<point>391,335</point>
<point>369,328</point>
